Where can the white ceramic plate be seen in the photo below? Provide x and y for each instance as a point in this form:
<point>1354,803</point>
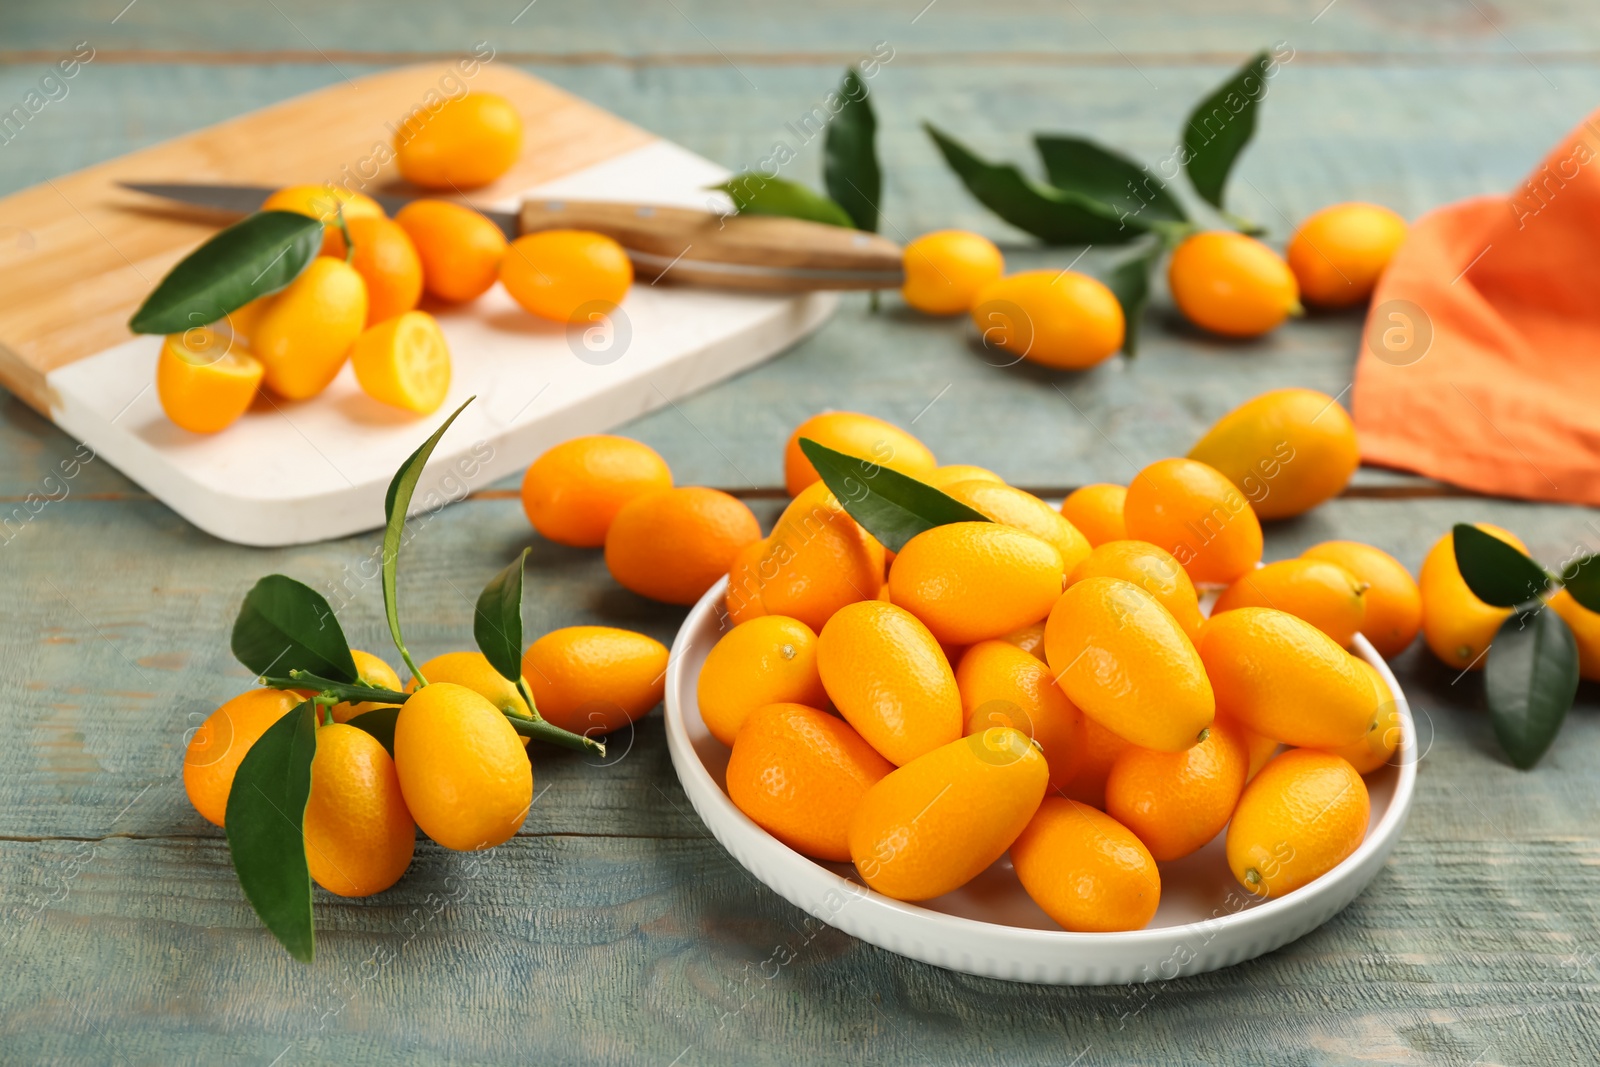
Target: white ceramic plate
<point>989,926</point>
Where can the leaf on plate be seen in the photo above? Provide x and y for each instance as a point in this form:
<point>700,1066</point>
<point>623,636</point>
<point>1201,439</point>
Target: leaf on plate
<point>497,622</point>
<point>396,503</point>
<point>286,625</point>
<point>1055,216</point>
<point>1497,573</point>
<point>379,722</point>
<point>850,170</point>
<point>253,257</point>
<point>1079,165</point>
<point>1530,680</point>
<point>757,194</point>
<point>889,505</point>
<point>1129,281</point>
<point>265,824</point>
<point>1220,127</point>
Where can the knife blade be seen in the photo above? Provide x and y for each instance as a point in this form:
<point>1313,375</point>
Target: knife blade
<point>666,244</point>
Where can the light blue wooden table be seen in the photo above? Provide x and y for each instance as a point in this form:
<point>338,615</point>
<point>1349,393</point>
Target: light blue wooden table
<point>613,929</point>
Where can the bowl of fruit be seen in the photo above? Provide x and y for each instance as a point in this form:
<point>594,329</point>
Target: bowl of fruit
<point>1029,757</point>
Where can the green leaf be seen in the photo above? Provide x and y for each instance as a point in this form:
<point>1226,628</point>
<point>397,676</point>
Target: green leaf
<point>265,823</point>
<point>396,503</point>
<point>379,722</point>
<point>1129,282</point>
<point>1079,165</point>
<point>1530,680</point>
<point>850,170</point>
<point>1582,579</point>
<point>889,505</point>
<point>1496,572</point>
<point>253,257</point>
<point>1055,216</point>
<point>757,194</point>
<point>1221,125</point>
<point>285,625</point>
<point>497,623</point>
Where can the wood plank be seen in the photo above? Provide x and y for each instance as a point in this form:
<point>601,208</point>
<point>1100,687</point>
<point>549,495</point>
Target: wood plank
<point>713,29</point>
<point>632,950</point>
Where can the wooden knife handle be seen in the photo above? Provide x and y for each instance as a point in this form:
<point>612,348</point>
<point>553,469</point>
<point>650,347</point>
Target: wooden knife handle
<point>755,252</point>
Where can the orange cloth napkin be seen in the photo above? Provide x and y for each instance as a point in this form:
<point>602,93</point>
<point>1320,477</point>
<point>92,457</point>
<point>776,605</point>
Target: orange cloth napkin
<point>1480,363</point>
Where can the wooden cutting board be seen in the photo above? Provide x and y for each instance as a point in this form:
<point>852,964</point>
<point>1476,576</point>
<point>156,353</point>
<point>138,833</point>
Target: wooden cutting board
<point>84,253</point>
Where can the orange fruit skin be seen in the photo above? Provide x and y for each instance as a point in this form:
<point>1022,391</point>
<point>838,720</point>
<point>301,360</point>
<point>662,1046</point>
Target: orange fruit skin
<point>1378,747</point>
<point>1287,450</point>
<point>463,771</point>
<point>744,584</point>
<point>1175,802</point>
<point>890,680</point>
<point>934,824</point>
<point>1585,626</point>
<point>1150,568</point>
<point>970,581</point>
<point>1338,253</point>
<point>555,273</point>
<point>951,473</point>
<point>1455,623</point>
<point>325,203</point>
<point>388,262</point>
<point>303,333</point>
<point>817,560</point>
<point>1085,870</point>
<point>214,753</point>
<point>673,545</point>
<point>465,143</point>
<point>1297,820</point>
<point>1231,284</point>
<point>1060,319</point>
<point>1193,511</point>
<point>574,490</point>
<point>459,248</point>
<point>359,834</point>
<point>1122,658</point>
<point>205,383</point>
<point>857,435</point>
<point>1322,593</point>
<point>1098,749</point>
<point>472,670</point>
<point>770,660</point>
<point>1394,603</point>
<point>1029,638</point>
<point>1280,676</point>
<point>1261,748</point>
<point>595,679</point>
<point>1024,511</point>
<point>371,671</point>
<point>800,774</point>
<point>1001,685</point>
<point>1096,510</point>
<point>945,270</point>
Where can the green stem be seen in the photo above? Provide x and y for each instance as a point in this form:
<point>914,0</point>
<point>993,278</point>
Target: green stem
<point>1242,224</point>
<point>405,654</point>
<point>343,690</point>
<point>527,695</point>
<point>344,228</point>
<point>540,730</point>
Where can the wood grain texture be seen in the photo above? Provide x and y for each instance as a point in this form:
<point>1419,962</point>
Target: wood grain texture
<point>613,930</point>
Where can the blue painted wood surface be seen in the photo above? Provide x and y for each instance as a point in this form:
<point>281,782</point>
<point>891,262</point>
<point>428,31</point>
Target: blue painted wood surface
<point>613,929</point>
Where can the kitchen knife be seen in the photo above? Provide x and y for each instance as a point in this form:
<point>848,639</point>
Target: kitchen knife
<point>761,253</point>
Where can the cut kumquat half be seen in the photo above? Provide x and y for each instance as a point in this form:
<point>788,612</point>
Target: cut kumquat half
<point>404,361</point>
<point>205,380</point>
